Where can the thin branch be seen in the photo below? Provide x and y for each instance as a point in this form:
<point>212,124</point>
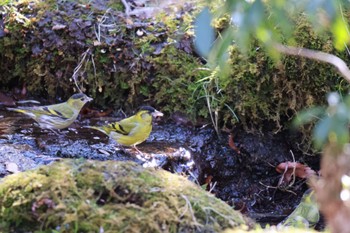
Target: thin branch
<point>127,7</point>
<point>338,63</point>
<point>77,69</point>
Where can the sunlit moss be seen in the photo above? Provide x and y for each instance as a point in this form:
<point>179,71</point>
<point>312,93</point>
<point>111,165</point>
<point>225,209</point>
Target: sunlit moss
<point>272,229</point>
<point>87,196</point>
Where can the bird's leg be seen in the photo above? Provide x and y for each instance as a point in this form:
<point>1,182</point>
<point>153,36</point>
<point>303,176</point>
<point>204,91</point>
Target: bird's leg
<point>137,150</point>
<point>56,133</point>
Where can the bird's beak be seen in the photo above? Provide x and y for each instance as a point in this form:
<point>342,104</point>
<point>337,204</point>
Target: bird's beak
<point>156,114</point>
<point>90,99</point>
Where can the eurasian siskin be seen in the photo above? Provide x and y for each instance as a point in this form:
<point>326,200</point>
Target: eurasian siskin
<point>56,116</point>
<point>133,130</point>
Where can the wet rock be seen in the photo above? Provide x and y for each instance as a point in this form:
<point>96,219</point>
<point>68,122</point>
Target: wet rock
<point>15,155</point>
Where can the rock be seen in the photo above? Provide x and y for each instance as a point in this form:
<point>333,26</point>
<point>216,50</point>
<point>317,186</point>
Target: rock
<point>92,196</point>
<point>11,155</point>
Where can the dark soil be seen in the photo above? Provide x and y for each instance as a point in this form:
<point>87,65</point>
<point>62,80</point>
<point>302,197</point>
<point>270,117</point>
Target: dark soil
<point>244,177</point>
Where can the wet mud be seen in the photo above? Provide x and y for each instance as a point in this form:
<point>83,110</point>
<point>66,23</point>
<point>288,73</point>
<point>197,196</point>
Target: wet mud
<point>244,175</point>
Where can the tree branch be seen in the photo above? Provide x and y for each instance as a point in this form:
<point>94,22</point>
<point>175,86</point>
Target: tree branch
<point>127,7</point>
<point>339,64</point>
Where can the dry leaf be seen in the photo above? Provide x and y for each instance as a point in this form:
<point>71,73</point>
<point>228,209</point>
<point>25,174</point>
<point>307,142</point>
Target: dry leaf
<point>293,168</point>
<point>231,143</point>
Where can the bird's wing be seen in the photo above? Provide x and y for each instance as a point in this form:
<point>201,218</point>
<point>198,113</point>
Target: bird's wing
<point>123,127</point>
<point>57,110</point>
<point>61,110</point>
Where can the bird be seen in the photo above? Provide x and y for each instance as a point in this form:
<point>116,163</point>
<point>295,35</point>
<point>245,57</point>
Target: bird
<point>133,130</point>
<point>56,116</point>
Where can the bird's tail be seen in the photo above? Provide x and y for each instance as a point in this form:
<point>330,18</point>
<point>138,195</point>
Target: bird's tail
<point>17,110</point>
<point>99,128</point>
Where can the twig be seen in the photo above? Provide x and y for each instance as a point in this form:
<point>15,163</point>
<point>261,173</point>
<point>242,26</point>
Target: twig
<point>338,63</point>
<point>212,187</point>
<point>127,7</point>
<point>77,69</point>
<point>189,207</point>
<point>294,168</point>
<point>195,178</point>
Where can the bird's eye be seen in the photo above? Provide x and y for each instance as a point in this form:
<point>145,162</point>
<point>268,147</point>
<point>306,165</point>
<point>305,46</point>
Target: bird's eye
<point>82,99</point>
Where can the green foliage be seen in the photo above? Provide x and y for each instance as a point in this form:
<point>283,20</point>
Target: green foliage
<point>333,122</point>
<point>5,2</point>
<point>272,21</point>
<point>135,60</point>
<point>176,76</point>
<point>258,87</point>
<point>205,34</point>
<point>119,66</point>
<point>258,24</point>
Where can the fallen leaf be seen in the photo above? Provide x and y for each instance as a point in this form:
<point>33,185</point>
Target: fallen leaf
<point>231,143</point>
<point>290,169</point>
<point>208,183</point>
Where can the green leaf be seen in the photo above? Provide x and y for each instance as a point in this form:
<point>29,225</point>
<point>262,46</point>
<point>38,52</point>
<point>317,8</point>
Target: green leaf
<point>308,115</point>
<point>124,85</point>
<point>219,54</point>
<point>321,132</point>
<point>333,130</point>
<point>205,34</point>
<point>340,33</point>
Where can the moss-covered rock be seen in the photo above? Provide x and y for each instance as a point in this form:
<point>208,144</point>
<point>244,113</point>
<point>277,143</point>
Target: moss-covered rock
<point>117,59</point>
<point>127,60</point>
<point>273,230</point>
<point>261,90</point>
<point>92,196</point>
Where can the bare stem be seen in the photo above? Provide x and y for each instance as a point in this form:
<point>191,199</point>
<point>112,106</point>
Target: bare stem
<point>338,63</point>
<point>127,7</point>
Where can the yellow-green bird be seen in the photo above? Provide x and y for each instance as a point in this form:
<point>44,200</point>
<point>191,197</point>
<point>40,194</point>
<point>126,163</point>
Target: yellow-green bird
<point>56,116</point>
<point>133,130</point>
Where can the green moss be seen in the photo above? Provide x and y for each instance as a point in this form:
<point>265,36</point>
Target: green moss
<point>267,95</point>
<point>151,61</point>
<point>116,5</point>
<point>87,196</point>
<point>272,229</point>
<point>177,74</point>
